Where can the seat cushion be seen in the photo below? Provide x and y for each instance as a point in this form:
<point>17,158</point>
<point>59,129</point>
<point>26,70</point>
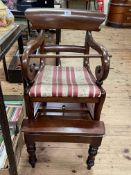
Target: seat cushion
<point>54,81</point>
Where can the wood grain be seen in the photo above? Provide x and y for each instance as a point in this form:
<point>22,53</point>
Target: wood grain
<point>114,156</point>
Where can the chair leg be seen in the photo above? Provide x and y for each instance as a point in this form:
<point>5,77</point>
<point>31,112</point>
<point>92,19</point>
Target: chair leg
<point>32,156</point>
<point>98,106</point>
<point>91,158</point>
<point>29,107</point>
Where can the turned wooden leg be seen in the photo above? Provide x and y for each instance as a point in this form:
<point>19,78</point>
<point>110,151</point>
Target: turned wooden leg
<point>32,156</point>
<point>91,158</point>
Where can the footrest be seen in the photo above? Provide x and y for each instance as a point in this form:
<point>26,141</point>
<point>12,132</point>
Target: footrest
<point>61,126</point>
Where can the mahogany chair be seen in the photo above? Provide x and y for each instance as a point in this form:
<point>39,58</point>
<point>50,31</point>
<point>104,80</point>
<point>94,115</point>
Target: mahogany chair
<point>63,104</point>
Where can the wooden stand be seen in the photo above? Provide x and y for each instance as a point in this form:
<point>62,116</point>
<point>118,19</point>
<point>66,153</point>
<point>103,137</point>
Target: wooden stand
<point>119,13</point>
<point>57,129</point>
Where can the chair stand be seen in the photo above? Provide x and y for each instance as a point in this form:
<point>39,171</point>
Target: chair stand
<point>47,129</point>
<point>64,103</point>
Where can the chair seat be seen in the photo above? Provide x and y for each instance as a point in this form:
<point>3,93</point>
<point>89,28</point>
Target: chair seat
<point>54,81</point>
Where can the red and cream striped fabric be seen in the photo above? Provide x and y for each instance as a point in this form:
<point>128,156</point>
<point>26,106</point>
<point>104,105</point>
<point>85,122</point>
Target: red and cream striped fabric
<point>55,81</point>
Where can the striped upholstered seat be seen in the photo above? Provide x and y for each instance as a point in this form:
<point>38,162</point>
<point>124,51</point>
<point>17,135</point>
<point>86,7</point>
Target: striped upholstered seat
<point>64,82</point>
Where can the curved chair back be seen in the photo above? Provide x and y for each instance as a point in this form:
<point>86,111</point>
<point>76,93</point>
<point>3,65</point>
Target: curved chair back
<point>64,19</point>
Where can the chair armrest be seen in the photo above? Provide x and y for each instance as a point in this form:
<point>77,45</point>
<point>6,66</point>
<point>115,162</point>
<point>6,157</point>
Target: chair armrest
<point>28,70</point>
<point>102,70</point>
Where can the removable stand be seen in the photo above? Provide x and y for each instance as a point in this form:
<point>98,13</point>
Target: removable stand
<point>70,123</point>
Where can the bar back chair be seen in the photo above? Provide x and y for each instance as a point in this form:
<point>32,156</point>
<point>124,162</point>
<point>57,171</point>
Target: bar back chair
<point>63,104</point>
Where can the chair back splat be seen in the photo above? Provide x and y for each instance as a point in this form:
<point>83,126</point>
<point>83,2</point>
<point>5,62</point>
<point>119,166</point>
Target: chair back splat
<point>64,103</point>
<point>64,19</point>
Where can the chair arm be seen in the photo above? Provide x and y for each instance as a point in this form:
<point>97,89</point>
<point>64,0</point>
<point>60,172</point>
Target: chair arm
<point>102,70</point>
<point>28,70</point>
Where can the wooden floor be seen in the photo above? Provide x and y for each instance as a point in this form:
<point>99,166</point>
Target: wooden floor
<point>114,157</point>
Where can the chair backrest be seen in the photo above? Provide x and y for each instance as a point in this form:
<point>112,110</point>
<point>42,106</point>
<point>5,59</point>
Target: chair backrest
<point>64,19</point>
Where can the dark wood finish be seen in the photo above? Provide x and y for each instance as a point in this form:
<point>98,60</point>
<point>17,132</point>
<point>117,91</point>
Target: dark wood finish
<point>14,70</point>
<point>6,135</point>
<point>63,130</point>
<point>5,68</point>
<point>85,127</point>
<point>92,153</point>
<point>32,157</point>
<point>64,19</point>
<point>62,127</point>
<point>65,49</point>
<point>119,13</point>
<point>7,41</point>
